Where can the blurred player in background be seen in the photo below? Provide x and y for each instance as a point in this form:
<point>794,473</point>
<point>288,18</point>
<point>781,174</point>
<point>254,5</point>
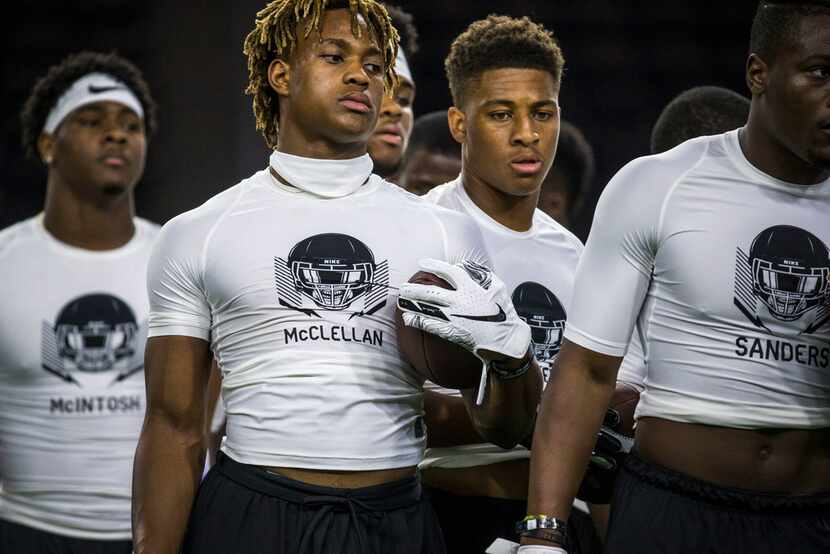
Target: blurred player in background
<point>388,143</point>
<point>697,112</point>
<point>74,317</point>
<point>433,157</point>
<point>570,177</point>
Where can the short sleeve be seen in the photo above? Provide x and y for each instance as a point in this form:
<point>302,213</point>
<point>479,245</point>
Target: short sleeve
<point>178,304</point>
<point>614,272</point>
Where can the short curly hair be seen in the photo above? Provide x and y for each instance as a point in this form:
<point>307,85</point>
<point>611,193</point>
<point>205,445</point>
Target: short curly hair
<point>404,22</point>
<point>778,22</point>
<point>696,112</point>
<point>499,42</point>
<point>275,35</point>
<point>60,77</point>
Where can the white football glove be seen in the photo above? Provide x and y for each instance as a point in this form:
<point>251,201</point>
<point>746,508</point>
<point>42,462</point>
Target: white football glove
<point>478,315</point>
<point>539,549</point>
<point>504,546</point>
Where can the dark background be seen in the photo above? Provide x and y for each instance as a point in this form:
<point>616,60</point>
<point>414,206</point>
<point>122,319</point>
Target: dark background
<point>624,62</point>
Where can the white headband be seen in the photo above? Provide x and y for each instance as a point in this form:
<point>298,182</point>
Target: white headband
<point>402,67</point>
<point>93,87</point>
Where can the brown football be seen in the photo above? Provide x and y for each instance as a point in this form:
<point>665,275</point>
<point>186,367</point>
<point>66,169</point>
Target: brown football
<point>436,359</point>
<point>624,401</point>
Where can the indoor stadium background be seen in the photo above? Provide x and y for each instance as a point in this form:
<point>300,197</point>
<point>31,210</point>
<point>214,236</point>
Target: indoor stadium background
<point>624,61</point>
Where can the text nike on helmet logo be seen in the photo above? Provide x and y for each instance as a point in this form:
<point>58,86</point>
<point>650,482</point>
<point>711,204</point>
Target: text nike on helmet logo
<point>501,316</point>
<point>98,90</point>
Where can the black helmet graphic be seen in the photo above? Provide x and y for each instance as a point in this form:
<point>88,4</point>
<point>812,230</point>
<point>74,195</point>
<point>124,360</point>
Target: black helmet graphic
<point>790,269</point>
<point>332,269</point>
<point>543,312</point>
<point>95,331</point>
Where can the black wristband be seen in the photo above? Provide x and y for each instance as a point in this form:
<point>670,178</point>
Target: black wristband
<point>553,536</point>
<point>504,374</point>
<point>546,528</point>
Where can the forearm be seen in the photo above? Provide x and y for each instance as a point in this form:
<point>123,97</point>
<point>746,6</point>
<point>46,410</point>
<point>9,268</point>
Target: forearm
<point>508,411</point>
<point>167,472</point>
<point>570,415</point>
<point>448,422</point>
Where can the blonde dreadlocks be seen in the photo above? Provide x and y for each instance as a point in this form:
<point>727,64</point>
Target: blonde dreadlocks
<point>275,35</point>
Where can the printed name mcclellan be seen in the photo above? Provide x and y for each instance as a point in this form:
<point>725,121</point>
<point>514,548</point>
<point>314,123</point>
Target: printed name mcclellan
<point>96,404</point>
<point>783,351</point>
<point>336,333</point>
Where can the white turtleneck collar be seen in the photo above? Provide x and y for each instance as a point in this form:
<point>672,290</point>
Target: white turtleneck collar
<point>326,178</point>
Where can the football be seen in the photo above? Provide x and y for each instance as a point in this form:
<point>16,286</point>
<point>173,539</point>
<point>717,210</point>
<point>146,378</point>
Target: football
<point>624,401</point>
<point>435,359</point>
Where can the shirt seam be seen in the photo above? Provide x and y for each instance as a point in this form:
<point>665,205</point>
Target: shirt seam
<point>672,189</point>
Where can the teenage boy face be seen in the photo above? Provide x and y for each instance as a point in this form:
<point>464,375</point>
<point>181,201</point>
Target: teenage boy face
<point>334,81</point>
<point>388,142</point>
<point>100,147</point>
<point>509,126</point>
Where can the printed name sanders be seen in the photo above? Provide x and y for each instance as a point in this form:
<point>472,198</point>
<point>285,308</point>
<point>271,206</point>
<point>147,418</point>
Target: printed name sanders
<point>782,351</point>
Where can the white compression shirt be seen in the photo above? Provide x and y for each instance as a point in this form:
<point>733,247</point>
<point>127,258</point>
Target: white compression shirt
<point>296,295</point>
<point>72,334</point>
<point>735,316</point>
<point>538,266</point>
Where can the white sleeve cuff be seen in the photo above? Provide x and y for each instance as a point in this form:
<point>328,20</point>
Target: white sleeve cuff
<point>601,346</point>
<point>179,330</point>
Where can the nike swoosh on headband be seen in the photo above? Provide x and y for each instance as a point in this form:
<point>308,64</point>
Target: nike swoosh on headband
<point>98,90</point>
<point>498,317</point>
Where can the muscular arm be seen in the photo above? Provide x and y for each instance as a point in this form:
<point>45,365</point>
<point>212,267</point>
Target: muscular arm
<point>171,449</point>
<point>214,392</point>
<point>509,409</point>
<point>571,413</point>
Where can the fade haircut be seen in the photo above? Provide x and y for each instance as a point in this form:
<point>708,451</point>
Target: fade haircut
<point>499,42</point>
<point>697,112</point>
<point>575,160</point>
<point>60,77</point>
<point>275,35</point>
<point>431,133</point>
<point>404,22</point>
<point>778,23</point>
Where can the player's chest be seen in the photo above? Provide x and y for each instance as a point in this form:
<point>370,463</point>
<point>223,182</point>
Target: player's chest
<point>761,260</point>
<point>73,321</point>
<point>351,261</point>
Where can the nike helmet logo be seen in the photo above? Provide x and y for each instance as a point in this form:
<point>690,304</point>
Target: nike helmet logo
<point>499,317</point>
<point>98,90</point>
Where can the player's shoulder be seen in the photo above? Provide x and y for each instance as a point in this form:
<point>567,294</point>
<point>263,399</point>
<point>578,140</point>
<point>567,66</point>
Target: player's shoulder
<point>424,203</point>
<point>147,228</point>
<point>442,195</point>
<point>16,235</point>
<point>665,168</point>
<point>199,220</point>
<point>647,180</point>
<point>451,221</point>
<point>549,228</point>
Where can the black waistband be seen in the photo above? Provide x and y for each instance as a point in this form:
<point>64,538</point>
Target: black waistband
<point>741,499</point>
<point>377,498</point>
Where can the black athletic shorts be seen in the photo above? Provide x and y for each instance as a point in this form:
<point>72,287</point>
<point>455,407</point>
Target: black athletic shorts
<point>471,523</point>
<point>657,510</point>
<point>19,539</point>
<point>243,509</point>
